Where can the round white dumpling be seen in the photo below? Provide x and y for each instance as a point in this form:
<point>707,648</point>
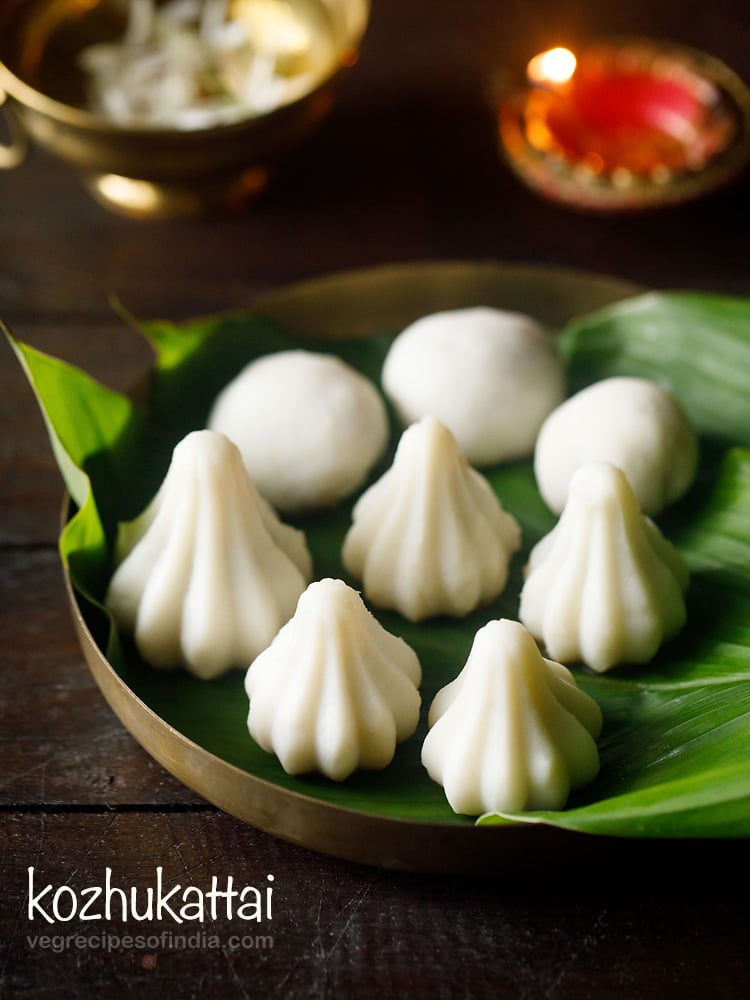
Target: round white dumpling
<point>490,376</point>
<point>309,427</point>
<point>631,423</point>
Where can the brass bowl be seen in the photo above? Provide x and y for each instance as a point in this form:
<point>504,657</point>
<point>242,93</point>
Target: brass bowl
<point>147,172</point>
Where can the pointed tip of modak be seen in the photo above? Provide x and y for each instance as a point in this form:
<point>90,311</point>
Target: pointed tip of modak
<point>333,590</point>
<point>597,483</point>
<point>208,445</point>
<point>432,429</point>
<point>510,634</point>
<point>431,439</point>
<point>208,456</point>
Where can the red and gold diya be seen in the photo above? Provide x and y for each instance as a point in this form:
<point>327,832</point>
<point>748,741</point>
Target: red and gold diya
<point>626,124</point>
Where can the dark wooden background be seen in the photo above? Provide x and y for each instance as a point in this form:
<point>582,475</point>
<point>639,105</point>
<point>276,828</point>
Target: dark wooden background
<point>405,169</point>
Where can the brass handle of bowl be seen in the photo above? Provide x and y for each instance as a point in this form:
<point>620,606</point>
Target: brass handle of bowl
<point>14,152</point>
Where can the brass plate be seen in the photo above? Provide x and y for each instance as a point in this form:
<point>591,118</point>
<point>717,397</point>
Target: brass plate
<point>362,303</point>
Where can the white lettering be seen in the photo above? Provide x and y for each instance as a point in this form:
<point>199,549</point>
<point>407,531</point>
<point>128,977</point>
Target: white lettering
<point>73,903</point>
<point>195,910</point>
<point>250,911</point>
<point>162,901</point>
<point>109,892</point>
<point>214,894</point>
<point>34,900</point>
<point>95,892</point>
<point>159,902</point>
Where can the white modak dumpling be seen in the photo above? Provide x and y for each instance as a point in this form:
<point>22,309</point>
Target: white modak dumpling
<point>309,427</point>
<point>490,376</point>
<point>207,574</point>
<point>513,731</point>
<point>604,586</point>
<point>631,422</point>
<point>430,537</point>
<point>334,691</point>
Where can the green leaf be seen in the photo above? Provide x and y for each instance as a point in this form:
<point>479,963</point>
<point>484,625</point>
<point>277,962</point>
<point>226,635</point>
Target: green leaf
<point>92,432</point>
<point>697,345</point>
<point>84,419</point>
<point>674,750</point>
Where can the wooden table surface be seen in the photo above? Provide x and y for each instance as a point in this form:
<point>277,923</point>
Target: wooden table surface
<point>405,169</point>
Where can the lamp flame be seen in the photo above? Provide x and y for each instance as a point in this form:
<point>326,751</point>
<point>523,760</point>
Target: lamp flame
<point>555,67</point>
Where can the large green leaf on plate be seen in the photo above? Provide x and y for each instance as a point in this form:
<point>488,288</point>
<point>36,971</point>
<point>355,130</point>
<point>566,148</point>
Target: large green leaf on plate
<point>696,344</point>
<point>675,750</point>
<point>94,433</point>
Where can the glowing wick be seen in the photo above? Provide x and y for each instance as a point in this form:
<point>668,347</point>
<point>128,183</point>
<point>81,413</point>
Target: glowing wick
<point>556,66</point>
